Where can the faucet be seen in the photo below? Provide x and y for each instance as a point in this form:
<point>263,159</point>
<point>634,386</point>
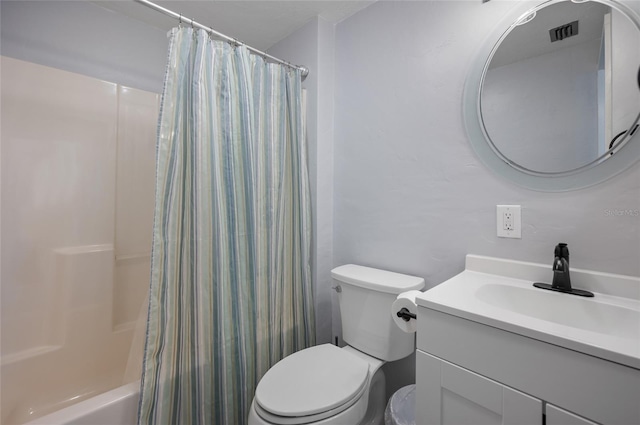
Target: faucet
<point>561,281</point>
<point>561,278</point>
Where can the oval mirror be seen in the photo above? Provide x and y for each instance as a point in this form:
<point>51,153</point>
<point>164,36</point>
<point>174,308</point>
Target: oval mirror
<point>553,102</point>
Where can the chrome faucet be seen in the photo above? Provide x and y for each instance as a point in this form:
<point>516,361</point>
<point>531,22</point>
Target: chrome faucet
<point>561,278</point>
<point>561,281</point>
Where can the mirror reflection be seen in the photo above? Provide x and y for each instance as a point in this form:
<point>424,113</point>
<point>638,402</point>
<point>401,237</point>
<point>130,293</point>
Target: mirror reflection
<point>561,89</point>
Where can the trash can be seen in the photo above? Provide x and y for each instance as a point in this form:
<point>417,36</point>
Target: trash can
<point>401,408</point>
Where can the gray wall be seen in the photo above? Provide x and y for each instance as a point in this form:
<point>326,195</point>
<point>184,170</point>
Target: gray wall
<point>410,194</point>
<point>81,37</point>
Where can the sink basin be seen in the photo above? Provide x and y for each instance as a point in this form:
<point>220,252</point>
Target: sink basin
<point>588,314</point>
<point>500,293</point>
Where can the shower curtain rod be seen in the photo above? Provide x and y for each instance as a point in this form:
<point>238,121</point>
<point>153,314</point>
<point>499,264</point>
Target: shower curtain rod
<point>304,70</point>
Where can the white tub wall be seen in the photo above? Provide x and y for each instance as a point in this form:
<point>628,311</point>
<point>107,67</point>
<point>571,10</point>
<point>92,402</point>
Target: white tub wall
<point>135,197</point>
<point>130,289</point>
<point>61,309</point>
<point>136,159</point>
<point>83,276</point>
<point>90,357</point>
<point>59,190</point>
<point>58,172</point>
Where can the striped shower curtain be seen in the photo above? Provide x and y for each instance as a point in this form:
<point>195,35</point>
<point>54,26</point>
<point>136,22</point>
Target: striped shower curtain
<point>230,283</point>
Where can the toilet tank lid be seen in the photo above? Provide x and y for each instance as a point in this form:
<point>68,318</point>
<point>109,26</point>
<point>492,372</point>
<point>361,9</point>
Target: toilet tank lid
<point>375,279</point>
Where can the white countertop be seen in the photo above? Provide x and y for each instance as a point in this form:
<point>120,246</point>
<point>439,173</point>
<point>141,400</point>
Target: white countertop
<point>604,326</point>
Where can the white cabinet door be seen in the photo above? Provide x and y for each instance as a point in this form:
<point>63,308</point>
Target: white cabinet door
<point>558,416</point>
<point>449,395</point>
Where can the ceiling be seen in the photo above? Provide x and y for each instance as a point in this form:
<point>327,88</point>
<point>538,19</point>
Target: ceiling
<point>258,23</point>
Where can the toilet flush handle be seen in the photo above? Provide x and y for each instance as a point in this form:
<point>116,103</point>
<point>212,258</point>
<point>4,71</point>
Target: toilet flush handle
<point>337,288</point>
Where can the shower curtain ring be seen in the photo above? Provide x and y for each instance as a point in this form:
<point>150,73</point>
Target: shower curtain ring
<point>180,20</point>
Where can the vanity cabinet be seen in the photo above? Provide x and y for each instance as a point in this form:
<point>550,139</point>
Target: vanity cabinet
<point>558,416</point>
<point>448,394</point>
<point>472,373</point>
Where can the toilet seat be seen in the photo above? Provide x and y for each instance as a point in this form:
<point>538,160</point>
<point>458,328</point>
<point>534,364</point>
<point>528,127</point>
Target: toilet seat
<point>311,385</point>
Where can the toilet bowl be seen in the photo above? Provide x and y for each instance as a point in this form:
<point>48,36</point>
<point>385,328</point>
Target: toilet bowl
<point>328,385</point>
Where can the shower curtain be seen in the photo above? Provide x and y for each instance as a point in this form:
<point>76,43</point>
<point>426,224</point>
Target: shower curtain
<point>230,282</point>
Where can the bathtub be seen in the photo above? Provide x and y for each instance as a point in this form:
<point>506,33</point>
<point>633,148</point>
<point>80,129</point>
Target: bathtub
<point>116,407</point>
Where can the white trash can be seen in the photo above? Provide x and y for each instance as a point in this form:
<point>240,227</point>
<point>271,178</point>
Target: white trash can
<point>401,408</point>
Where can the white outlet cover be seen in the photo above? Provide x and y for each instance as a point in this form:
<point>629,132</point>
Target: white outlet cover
<point>504,231</point>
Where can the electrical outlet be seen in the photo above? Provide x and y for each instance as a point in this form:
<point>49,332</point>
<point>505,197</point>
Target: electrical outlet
<point>509,221</point>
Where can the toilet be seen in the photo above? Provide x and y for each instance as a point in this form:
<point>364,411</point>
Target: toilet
<point>329,385</point>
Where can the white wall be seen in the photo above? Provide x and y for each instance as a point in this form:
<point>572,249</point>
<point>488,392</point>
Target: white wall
<point>410,194</point>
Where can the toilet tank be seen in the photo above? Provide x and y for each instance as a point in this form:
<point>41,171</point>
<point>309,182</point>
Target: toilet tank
<point>365,298</point>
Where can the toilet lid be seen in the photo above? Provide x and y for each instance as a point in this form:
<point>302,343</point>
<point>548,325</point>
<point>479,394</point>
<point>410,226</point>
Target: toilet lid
<point>312,381</point>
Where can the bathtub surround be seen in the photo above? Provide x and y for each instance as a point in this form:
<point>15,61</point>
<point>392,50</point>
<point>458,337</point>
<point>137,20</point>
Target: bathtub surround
<point>231,281</point>
<point>77,168</point>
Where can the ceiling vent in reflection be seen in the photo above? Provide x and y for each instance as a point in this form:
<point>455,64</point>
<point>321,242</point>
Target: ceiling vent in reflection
<point>564,31</point>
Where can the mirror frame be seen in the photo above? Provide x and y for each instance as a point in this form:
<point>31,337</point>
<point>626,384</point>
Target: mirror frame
<point>589,175</point>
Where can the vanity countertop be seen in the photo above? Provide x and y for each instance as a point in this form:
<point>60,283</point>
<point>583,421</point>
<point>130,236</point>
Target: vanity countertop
<point>500,293</point>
